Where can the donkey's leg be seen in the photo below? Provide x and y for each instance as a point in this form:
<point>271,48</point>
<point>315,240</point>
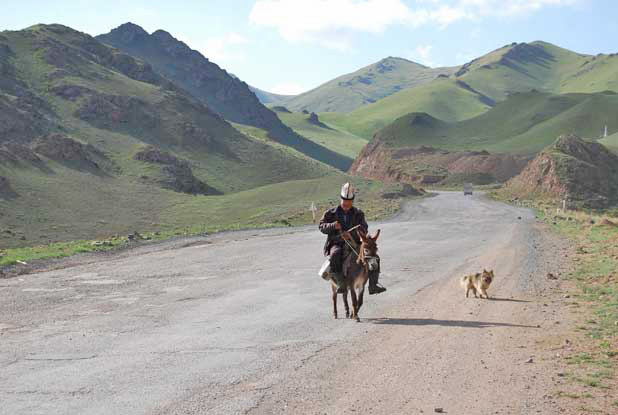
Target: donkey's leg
<point>345,303</point>
<point>334,292</point>
<point>354,304</point>
<point>360,297</point>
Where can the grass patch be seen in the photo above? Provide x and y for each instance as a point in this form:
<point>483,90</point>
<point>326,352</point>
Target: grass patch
<point>328,136</point>
<point>594,286</point>
<point>278,205</point>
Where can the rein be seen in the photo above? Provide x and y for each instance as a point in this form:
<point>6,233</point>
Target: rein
<point>359,258</point>
<point>348,243</point>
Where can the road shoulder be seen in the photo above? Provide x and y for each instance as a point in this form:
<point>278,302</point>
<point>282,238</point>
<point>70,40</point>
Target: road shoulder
<point>441,351</point>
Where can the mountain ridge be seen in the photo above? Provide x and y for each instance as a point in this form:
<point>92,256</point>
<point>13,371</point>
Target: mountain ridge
<point>493,77</point>
<point>225,94</point>
<point>365,85</point>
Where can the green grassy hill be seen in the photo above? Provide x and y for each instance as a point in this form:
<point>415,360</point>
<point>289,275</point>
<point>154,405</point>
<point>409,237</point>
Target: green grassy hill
<point>524,123</point>
<point>328,136</point>
<point>365,86</point>
<point>443,98</point>
<point>479,84</point>
<point>93,141</point>
<point>611,141</point>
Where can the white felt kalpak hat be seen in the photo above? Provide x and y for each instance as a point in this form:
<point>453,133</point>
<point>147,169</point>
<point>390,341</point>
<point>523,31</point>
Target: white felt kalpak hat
<point>347,192</point>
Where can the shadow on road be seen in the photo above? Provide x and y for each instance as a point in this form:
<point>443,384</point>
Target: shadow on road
<point>444,323</point>
<point>515,300</point>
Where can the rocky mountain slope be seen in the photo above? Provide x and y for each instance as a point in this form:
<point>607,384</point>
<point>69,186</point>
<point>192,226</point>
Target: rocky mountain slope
<point>94,140</point>
<point>226,95</point>
<point>583,172</point>
<point>430,166</point>
<point>493,146</point>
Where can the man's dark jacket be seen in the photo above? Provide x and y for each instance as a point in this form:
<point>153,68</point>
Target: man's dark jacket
<point>331,216</point>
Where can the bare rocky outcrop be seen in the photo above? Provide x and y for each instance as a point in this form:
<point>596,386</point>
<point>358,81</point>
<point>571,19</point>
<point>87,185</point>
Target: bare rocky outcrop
<point>585,173</point>
<point>62,148</point>
<point>177,173</point>
<point>4,184</point>
<point>70,92</point>
<point>281,108</point>
<point>429,165</point>
<point>15,152</point>
<point>313,119</point>
<point>6,191</point>
<point>22,118</point>
<point>107,111</point>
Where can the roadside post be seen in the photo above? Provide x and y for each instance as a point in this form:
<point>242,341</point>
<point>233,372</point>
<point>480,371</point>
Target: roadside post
<point>313,209</point>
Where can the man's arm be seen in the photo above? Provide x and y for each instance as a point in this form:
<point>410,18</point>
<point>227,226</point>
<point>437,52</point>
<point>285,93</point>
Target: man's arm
<point>328,224</point>
<point>363,222</point>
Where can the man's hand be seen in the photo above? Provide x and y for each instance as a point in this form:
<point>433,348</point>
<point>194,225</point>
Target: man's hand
<point>338,226</point>
<point>346,235</point>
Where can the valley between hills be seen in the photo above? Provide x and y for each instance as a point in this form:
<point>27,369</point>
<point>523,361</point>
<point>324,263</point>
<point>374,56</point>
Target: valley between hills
<point>124,158</point>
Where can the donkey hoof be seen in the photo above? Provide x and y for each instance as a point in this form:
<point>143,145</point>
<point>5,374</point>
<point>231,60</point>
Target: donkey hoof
<point>335,316</point>
<point>357,319</point>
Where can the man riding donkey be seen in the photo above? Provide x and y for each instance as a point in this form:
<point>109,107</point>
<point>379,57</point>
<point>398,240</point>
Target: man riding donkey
<point>340,224</point>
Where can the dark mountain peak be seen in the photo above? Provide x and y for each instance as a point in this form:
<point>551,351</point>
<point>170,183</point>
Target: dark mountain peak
<point>164,36</point>
<point>129,32</point>
<point>130,28</point>
<point>227,96</point>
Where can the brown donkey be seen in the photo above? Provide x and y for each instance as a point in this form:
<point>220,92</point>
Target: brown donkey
<point>356,270</point>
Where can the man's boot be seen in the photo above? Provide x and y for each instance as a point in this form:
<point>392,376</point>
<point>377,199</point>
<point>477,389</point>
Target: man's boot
<point>340,281</point>
<point>374,287</point>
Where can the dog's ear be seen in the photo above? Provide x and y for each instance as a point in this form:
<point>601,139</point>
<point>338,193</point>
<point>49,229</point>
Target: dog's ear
<point>375,237</point>
<point>492,273</point>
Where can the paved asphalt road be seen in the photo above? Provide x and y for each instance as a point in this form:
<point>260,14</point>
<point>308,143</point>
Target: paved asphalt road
<point>209,326</point>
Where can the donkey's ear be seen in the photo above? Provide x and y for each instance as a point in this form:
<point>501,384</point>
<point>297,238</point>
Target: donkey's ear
<point>375,237</point>
<point>361,235</point>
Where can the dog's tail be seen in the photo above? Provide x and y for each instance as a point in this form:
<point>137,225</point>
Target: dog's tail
<point>464,280</point>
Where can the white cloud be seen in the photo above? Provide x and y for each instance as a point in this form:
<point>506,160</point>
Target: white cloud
<point>287,88</point>
<point>422,54</point>
<point>332,23</point>
<point>224,48</point>
<point>464,57</point>
<point>508,8</point>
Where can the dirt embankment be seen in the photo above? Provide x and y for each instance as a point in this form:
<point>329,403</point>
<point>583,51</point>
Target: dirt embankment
<point>428,165</point>
<point>585,173</point>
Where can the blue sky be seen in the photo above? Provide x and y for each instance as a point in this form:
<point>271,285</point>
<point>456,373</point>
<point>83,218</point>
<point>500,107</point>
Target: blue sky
<point>288,46</point>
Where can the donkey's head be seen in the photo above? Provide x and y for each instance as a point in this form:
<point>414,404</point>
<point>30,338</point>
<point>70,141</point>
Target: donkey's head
<point>368,250</point>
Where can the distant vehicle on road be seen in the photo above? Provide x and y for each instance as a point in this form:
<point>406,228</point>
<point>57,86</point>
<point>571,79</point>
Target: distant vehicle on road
<point>467,189</point>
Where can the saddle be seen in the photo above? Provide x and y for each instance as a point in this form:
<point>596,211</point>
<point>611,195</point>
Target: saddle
<point>349,260</point>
